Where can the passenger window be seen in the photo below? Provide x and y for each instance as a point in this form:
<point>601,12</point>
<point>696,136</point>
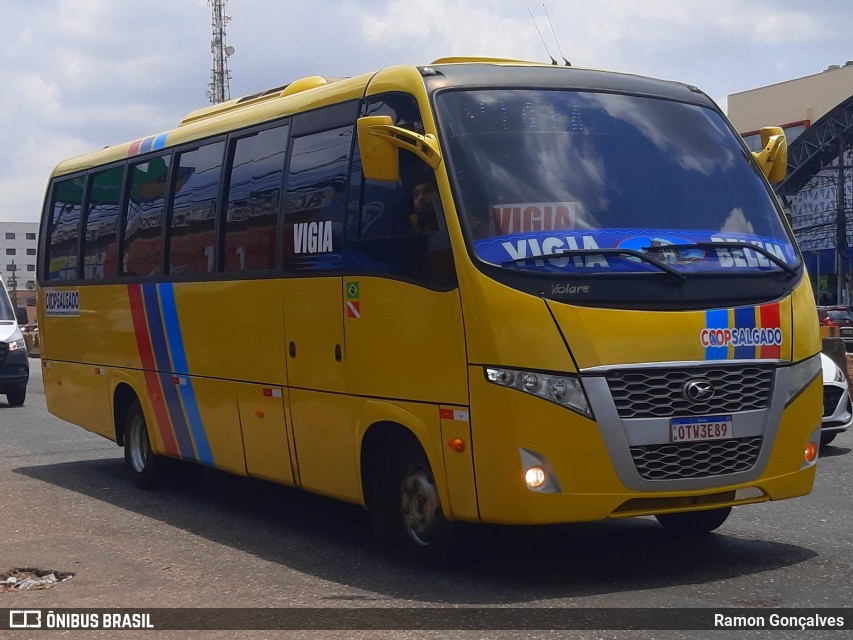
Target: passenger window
<point>63,237</point>
<point>99,242</point>
<point>143,245</point>
<point>192,232</point>
<point>315,207</point>
<point>254,196</point>
<point>401,229</point>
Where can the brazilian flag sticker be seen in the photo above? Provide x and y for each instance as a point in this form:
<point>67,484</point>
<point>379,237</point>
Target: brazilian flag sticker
<point>352,291</point>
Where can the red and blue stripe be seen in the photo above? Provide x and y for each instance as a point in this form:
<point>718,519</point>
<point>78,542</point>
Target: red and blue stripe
<point>161,351</point>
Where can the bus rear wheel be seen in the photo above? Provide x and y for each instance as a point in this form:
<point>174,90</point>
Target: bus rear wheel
<point>694,522</point>
<point>143,465</point>
<point>421,529</point>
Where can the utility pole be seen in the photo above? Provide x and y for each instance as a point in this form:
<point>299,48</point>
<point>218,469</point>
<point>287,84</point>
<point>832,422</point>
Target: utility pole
<point>841,231</point>
<point>218,89</point>
<point>13,283</point>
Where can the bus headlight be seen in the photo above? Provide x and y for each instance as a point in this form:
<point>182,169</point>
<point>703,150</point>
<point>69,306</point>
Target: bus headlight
<point>565,391</point>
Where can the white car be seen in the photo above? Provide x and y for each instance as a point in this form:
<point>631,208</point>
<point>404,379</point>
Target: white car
<point>837,410</point>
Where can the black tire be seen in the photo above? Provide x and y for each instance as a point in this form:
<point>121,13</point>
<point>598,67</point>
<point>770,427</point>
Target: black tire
<point>825,438</point>
<point>143,465</point>
<point>411,506</point>
<point>694,522</point>
<point>16,397</point>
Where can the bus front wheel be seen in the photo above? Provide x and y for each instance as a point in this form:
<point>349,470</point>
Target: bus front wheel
<point>694,522</point>
<point>138,457</point>
<point>421,529</point>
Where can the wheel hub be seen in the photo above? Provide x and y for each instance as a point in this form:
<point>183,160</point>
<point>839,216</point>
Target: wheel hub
<point>420,506</point>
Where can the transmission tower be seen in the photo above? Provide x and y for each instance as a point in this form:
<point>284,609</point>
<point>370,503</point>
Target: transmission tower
<point>218,89</point>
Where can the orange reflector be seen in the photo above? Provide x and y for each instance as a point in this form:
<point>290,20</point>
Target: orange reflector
<point>259,414</point>
<point>457,444</point>
<point>811,452</point>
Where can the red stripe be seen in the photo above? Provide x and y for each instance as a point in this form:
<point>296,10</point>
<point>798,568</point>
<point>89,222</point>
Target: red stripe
<point>770,319</point>
<point>134,148</point>
<point>146,355</point>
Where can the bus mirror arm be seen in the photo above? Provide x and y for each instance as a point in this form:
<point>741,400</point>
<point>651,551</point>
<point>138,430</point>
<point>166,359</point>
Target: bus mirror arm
<point>773,157</point>
<point>379,141</point>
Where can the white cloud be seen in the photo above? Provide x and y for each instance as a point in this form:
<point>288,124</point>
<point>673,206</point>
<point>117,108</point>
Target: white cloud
<point>80,74</point>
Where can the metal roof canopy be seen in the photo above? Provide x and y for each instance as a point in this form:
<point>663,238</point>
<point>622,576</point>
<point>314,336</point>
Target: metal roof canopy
<point>817,148</point>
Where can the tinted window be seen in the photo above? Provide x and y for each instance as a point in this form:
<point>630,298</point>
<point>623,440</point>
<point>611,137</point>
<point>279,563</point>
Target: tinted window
<point>192,236</point>
<point>401,227</point>
<point>254,195</point>
<point>554,172</point>
<point>143,246</point>
<point>316,199</point>
<point>63,237</point>
<point>31,252</point>
<point>31,236</point>
<point>99,243</point>
<point>11,252</point>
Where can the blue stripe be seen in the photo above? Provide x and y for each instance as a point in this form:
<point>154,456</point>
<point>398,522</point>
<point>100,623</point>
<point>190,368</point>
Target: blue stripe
<point>146,145</point>
<point>161,355</point>
<point>745,319</point>
<point>179,360</point>
<point>717,319</point>
<point>159,142</point>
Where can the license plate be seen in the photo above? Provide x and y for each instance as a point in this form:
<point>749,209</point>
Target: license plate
<point>701,428</point>
<point>847,332</point>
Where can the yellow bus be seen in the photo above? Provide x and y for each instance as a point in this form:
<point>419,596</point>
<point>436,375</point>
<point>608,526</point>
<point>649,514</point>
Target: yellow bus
<point>478,290</point>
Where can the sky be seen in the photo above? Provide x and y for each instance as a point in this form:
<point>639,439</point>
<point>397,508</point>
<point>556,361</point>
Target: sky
<point>78,75</point>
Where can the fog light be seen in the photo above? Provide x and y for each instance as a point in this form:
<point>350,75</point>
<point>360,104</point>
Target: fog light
<point>535,477</point>
<point>811,452</point>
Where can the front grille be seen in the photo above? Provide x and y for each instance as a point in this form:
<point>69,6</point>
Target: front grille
<point>658,393</point>
<point>831,396</point>
<point>696,459</point>
<point>4,351</point>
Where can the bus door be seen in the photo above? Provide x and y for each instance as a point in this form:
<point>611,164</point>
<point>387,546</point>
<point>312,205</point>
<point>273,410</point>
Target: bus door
<point>313,311</point>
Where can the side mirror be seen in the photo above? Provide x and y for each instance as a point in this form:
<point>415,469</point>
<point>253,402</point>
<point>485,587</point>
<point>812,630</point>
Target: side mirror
<point>773,157</point>
<point>379,141</point>
<point>21,316</point>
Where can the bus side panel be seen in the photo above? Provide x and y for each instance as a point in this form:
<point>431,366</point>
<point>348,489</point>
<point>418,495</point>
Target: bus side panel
<point>232,329</point>
<point>100,330</point>
<point>326,443</point>
<point>212,420</point>
<point>404,341</point>
<point>266,436</point>
<point>80,394</point>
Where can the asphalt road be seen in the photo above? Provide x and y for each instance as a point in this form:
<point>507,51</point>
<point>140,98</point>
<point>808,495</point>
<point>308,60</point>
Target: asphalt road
<point>214,540</point>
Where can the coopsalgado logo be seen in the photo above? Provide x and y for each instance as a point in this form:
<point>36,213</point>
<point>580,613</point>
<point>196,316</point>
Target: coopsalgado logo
<point>61,303</point>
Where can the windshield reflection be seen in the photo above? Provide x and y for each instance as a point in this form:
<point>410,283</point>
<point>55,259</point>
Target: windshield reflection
<point>541,173</point>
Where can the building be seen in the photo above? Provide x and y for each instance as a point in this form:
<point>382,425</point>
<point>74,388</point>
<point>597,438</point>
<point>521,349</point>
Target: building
<point>18,248</point>
<point>816,113</point>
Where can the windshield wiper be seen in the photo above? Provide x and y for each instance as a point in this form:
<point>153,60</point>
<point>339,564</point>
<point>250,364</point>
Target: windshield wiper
<point>603,252</point>
<point>727,245</point>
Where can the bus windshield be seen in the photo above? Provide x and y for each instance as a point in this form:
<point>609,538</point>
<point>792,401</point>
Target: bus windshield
<point>650,181</point>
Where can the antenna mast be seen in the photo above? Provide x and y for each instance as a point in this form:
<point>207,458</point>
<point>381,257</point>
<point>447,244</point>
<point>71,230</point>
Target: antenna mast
<point>218,89</point>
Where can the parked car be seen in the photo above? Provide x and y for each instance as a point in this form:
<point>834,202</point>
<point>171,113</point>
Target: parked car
<point>840,317</point>
<point>837,409</point>
<point>14,365</point>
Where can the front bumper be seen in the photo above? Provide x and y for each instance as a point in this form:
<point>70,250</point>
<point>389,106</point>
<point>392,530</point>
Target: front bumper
<point>14,370</point>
